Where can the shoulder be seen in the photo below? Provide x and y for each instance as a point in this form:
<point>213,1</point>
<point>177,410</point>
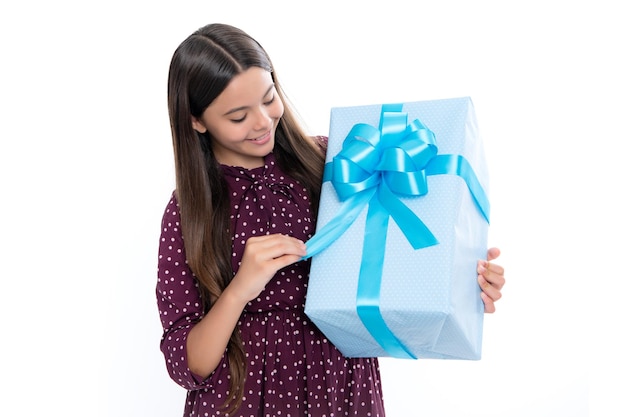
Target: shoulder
<point>322,142</point>
<point>171,211</point>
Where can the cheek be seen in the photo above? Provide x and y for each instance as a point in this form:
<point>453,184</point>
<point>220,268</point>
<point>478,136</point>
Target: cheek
<point>225,133</point>
<point>277,110</point>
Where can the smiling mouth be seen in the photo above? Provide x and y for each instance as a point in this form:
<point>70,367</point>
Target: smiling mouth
<point>261,138</point>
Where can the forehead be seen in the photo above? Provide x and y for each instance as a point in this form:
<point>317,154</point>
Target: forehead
<point>245,89</point>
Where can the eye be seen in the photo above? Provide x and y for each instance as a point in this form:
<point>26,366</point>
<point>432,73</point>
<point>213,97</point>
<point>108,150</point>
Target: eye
<point>270,101</point>
<point>238,120</point>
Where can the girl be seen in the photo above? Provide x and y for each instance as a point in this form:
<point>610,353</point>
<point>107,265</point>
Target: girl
<point>231,282</point>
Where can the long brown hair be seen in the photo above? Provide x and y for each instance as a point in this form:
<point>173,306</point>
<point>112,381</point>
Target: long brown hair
<point>201,68</point>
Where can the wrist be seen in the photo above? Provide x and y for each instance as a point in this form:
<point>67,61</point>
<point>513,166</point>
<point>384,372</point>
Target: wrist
<point>234,298</point>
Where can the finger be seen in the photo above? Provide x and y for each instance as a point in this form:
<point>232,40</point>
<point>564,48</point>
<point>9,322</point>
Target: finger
<point>283,261</point>
<point>274,239</point>
<point>488,289</point>
<point>274,246</point>
<point>493,253</point>
<point>490,306</point>
<point>287,245</point>
<point>493,273</point>
<point>271,238</point>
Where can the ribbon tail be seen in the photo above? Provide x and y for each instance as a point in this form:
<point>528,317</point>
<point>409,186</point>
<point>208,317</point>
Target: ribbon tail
<point>331,231</point>
<point>458,165</point>
<point>413,228</point>
<point>370,278</point>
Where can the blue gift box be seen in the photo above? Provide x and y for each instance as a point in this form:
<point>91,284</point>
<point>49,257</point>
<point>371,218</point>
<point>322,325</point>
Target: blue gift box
<point>403,220</point>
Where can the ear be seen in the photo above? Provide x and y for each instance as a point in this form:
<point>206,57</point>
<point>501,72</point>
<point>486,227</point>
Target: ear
<point>197,125</point>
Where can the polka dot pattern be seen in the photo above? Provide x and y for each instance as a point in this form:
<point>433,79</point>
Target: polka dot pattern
<point>293,370</point>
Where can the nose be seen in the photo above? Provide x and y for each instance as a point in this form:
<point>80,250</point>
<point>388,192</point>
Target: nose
<point>262,119</point>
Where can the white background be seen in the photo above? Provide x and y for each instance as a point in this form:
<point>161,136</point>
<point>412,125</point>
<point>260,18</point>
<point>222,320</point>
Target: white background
<point>86,170</point>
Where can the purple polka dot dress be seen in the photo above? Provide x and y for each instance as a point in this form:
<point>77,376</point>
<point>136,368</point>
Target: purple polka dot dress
<point>293,370</point>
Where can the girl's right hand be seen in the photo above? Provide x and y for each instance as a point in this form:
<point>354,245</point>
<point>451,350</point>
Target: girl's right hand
<point>263,256</point>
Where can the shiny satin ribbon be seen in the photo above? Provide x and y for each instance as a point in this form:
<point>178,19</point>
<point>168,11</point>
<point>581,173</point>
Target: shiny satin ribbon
<point>375,168</point>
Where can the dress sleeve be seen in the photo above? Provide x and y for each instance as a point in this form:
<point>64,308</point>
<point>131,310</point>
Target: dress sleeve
<point>178,300</point>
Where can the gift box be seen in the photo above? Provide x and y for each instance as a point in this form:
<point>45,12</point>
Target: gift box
<point>403,220</point>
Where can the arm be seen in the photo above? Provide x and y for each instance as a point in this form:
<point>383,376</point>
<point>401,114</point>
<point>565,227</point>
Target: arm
<point>262,258</point>
<point>194,343</point>
<point>178,299</point>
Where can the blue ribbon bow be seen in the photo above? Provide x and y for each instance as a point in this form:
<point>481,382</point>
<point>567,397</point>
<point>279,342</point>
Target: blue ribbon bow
<point>375,168</point>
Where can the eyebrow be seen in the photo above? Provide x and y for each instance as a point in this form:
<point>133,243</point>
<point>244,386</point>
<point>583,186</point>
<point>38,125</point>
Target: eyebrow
<point>236,109</point>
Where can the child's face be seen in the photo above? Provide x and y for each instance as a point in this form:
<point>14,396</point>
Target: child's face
<point>242,120</point>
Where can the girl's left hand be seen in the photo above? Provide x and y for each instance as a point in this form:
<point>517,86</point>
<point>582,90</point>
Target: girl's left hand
<point>490,279</point>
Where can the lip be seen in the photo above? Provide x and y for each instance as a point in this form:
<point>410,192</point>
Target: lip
<point>262,140</point>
